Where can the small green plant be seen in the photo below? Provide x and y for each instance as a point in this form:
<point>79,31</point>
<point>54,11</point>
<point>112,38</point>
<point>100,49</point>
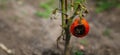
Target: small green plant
<point>42,14</point>
<point>79,53</point>
<point>103,5</point>
<point>47,9</point>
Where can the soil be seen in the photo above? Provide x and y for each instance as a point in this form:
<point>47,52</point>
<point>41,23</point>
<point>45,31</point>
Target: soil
<point>26,34</point>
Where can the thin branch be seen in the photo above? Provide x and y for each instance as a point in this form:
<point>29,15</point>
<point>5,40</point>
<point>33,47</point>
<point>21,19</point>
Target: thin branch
<point>72,6</point>
<point>8,51</point>
<point>62,9</point>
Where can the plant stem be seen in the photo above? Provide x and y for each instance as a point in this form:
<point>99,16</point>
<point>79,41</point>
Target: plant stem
<point>67,39</point>
<point>72,8</point>
<point>64,9</point>
<point>66,22</point>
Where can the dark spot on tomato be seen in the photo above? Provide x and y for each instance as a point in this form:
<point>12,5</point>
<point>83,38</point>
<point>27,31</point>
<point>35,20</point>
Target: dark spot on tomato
<point>79,30</point>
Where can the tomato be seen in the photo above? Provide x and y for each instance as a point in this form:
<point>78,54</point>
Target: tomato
<point>79,28</point>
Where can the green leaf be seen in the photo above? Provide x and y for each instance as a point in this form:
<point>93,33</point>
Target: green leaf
<point>47,6</point>
<point>80,1</point>
<point>78,53</point>
<point>42,14</point>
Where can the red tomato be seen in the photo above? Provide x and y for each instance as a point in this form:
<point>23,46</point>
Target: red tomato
<point>79,29</point>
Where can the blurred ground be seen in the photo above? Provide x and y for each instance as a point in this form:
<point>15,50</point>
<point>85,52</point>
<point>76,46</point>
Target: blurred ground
<point>26,34</point>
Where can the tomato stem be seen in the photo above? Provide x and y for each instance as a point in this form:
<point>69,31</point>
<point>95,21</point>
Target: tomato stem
<point>66,21</point>
<point>64,9</point>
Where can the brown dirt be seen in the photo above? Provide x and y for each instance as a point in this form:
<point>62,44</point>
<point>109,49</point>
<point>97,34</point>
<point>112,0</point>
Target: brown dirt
<point>26,34</point>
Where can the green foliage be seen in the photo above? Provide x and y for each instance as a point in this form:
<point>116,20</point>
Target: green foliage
<point>118,6</point>
<point>42,14</point>
<point>103,5</point>
<point>78,53</point>
<point>80,1</point>
<point>3,4</point>
<point>77,2</point>
<point>47,6</point>
<point>3,1</point>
